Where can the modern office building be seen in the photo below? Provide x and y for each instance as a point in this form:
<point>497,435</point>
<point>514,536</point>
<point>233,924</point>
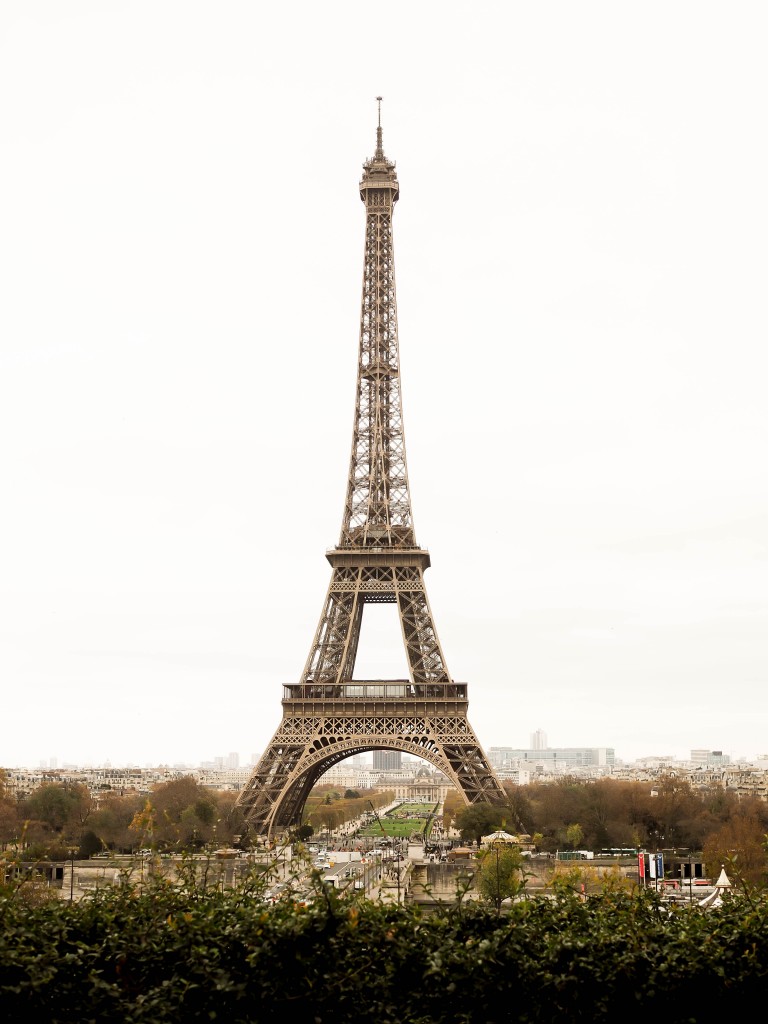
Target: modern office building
<point>553,758</point>
<point>387,760</point>
<point>709,758</point>
<point>539,740</point>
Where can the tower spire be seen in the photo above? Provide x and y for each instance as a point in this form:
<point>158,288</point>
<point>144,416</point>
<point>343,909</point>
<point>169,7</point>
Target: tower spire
<point>379,142</point>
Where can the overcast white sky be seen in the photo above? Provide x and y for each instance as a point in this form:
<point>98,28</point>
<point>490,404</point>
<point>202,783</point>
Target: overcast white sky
<point>581,266</point>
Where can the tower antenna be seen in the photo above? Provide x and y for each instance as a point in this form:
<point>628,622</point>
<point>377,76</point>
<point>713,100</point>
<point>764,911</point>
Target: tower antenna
<point>379,141</point>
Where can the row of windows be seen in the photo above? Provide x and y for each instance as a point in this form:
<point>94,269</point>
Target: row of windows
<point>374,690</point>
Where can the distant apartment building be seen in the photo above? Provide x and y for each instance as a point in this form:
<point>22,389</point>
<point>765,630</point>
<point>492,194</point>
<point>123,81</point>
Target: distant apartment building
<point>222,778</point>
<point>347,776</point>
<point>99,781</point>
<point>518,776</point>
<point>742,780</point>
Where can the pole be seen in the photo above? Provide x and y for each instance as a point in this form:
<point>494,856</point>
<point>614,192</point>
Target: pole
<point>397,868</point>
<point>498,883</point>
<point>71,874</point>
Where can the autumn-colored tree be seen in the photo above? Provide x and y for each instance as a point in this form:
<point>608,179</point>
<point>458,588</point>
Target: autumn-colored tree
<point>327,817</point>
<point>111,821</point>
<point>143,826</point>
<point>229,817</point>
<point>553,807</point>
<point>9,822</point>
<point>185,814</point>
<point>452,805</point>
<point>740,847</point>
<point>337,809</point>
<point>674,806</point>
<point>616,813</point>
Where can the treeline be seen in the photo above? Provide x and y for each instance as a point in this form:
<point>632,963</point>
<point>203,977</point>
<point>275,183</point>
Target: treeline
<point>327,808</point>
<point>61,817</point>
<point>181,815</point>
<point>567,814</point>
<point>665,815</point>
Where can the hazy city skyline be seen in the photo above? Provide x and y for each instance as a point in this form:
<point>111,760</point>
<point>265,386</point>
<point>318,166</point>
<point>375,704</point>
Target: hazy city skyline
<point>581,266</point>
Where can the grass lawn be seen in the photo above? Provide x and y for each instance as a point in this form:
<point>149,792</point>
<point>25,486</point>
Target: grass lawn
<point>401,822</point>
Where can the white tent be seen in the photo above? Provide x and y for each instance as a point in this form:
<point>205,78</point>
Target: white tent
<point>715,899</point>
<point>498,838</point>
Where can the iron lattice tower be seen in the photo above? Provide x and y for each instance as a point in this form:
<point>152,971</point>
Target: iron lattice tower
<point>328,716</point>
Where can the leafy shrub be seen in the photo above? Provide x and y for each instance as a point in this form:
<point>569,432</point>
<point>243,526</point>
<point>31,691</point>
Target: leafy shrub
<point>179,954</point>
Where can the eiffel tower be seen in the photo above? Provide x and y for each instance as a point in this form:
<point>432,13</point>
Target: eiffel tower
<point>329,715</point>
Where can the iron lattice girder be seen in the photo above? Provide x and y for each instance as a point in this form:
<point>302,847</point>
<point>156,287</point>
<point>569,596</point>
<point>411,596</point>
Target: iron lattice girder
<point>334,650</point>
<point>377,560</point>
<point>378,497</point>
<point>306,746</point>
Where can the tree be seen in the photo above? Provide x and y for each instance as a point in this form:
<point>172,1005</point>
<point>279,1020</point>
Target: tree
<point>739,846</point>
<point>62,807</point>
<point>185,814</point>
<point>479,820</point>
<point>452,805</point>
<point>9,823</point>
<point>500,875</point>
<point>554,807</point>
<point>111,822</point>
<point>9,818</point>
<point>143,825</point>
<point>574,835</point>
<point>521,812</point>
<point>90,843</point>
<point>327,817</point>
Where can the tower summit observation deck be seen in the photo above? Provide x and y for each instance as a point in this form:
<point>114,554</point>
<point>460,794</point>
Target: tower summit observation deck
<point>329,715</point>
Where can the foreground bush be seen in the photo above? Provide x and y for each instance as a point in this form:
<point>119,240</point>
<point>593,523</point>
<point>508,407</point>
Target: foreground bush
<point>171,956</point>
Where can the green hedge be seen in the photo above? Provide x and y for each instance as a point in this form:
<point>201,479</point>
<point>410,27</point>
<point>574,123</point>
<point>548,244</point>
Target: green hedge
<point>170,956</point>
